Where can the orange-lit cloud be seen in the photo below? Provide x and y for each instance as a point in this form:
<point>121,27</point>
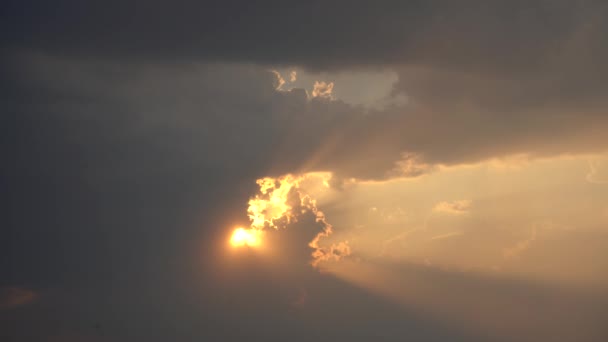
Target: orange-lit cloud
<point>281,201</point>
<point>410,165</point>
<point>270,208</point>
<point>520,221</point>
<point>279,81</point>
<point>322,89</point>
<point>460,207</point>
<point>335,251</point>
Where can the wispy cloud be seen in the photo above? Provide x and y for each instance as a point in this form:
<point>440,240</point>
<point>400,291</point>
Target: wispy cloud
<point>460,207</point>
<point>447,235</point>
<point>12,297</point>
<point>598,172</point>
<point>516,250</point>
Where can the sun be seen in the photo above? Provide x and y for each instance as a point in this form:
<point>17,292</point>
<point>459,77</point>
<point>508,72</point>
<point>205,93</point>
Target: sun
<point>246,237</point>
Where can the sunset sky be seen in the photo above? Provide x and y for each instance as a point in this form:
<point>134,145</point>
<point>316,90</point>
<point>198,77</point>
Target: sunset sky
<point>304,171</point>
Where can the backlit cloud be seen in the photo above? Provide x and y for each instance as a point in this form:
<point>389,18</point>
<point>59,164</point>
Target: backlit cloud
<point>280,203</point>
<point>322,89</point>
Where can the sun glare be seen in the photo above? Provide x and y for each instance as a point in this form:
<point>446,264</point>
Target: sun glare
<point>246,237</point>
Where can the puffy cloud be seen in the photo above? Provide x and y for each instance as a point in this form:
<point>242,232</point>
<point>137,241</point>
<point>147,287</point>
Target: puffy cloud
<point>322,89</point>
<point>281,202</point>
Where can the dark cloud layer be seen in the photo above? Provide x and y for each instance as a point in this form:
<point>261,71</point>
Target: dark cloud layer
<point>316,34</point>
<point>483,79</point>
<point>230,118</point>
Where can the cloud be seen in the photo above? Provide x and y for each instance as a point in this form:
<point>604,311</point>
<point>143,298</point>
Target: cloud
<point>460,207</point>
<point>516,35</point>
<point>516,250</point>
<point>238,113</point>
<point>597,173</point>
<point>279,79</point>
<point>13,297</point>
<point>322,89</point>
<point>446,235</point>
<point>281,202</point>
<point>483,80</point>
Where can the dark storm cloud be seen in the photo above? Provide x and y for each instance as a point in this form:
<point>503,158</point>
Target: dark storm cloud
<point>483,78</point>
<point>315,34</point>
<point>232,119</point>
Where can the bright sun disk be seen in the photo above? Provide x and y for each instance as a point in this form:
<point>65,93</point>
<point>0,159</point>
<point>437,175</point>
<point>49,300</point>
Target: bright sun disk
<point>246,237</point>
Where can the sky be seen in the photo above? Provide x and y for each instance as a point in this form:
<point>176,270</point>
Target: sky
<point>304,171</point>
